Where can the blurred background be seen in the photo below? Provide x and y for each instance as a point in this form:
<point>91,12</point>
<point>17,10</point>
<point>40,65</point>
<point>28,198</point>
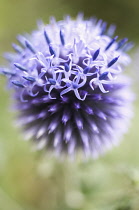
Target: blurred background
<point>35,181</point>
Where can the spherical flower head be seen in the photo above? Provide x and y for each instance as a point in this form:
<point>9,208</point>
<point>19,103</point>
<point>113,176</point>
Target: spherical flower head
<point>69,86</point>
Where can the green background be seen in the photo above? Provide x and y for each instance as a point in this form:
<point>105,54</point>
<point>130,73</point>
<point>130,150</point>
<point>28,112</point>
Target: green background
<point>37,181</point>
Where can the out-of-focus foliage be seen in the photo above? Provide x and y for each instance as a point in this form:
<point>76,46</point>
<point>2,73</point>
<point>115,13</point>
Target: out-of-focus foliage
<point>34,180</point>
<point>123,13</point>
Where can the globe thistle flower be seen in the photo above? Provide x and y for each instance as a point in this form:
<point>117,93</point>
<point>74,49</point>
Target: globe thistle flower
<point>69,87</point>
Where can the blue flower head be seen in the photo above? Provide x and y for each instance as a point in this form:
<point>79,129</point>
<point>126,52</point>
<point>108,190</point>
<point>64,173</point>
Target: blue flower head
<point>69,86</point>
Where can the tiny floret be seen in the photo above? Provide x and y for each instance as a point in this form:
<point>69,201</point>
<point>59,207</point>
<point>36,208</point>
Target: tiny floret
<point>69,87</point>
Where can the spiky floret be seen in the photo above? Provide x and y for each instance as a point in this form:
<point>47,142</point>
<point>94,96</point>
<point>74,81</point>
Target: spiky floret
<point>68,85</point>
